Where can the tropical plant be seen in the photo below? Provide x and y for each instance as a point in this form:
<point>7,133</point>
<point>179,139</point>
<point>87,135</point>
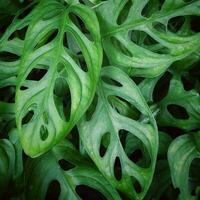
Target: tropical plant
<point>99,99</point>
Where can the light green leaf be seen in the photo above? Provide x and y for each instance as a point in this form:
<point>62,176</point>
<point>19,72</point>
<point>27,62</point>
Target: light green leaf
<point>106,125</point>
<point>56,85</point>
<point>137,37</point>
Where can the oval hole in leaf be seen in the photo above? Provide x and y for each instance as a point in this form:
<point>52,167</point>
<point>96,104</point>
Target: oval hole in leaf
<point>43,133</point>
<point>105,141</point>
<point>111,81</point>
<point>23,88</point>
<point>36,74</point>
<point>124,12</point>
<point>187,84</point>
<point>159,27</point>
<point>88,193</point>
<point>53,191</point>
<point>172,131</point>
<point>81,25</point>
<point>28,117</point>
<point>49,37</point>
<point>118,45</point>
<point>8,56</point>
<point>117,169</point>
<point>136,184</point>
<point>162,87</point>
<point>92,108</point>
<point>65,165</point>
<point>177,111</point>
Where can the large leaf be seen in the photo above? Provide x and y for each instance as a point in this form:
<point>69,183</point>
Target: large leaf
<point>66,167</point>
<point>182,152</point>
<point>143,38</point>
<point>121,111</point>
<point>56,83</point>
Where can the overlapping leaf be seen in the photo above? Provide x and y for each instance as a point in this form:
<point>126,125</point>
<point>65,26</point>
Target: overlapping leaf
<point>142,38</point>
<point>68,169</point>
<point>56,83</point>
<point>107,123</point>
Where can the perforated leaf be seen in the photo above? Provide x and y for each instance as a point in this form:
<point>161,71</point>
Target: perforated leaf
<point>68,169</point>
<point>143,38</point>
<point>107,125</point>
<point>56,84</point>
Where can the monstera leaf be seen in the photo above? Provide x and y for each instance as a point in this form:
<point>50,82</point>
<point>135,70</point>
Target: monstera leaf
<point>121,112</point>
<point>66,168</point>
<point>143,37</point>
<point>177,104</point>
<point>182,156</point>
<point>56,82</point>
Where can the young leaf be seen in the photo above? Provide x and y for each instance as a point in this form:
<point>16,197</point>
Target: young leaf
<point>56,85</point>
<point>108,126</point>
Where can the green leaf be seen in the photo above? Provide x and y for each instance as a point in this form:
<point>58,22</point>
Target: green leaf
<point>182,152</point>
<point>76,171</point>
<point>55,84</point>
<point>137,37</point>
<point>107,126</point>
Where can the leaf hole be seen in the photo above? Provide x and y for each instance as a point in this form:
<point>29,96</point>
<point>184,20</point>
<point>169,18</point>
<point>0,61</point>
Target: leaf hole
<point>22,88</point>
<point>43,133</point>
<point>136,184</point>
<point>90,111</point>
<point>21,33</point>
<point>121,47</point>
<point>172,131</point>
<point>117,169</point>
<point>53,191</point>
<point>36,74</point>
<point>123,15</point>
<point>81,25</point>
<point>187,83</point>
<point>82,62</point>
<point>177,111</point>
<point>85,193</point>
<point>111,81</point>
<point>28,117</point>
<point>175,24</point>
<point>122,136</point>
<point>125,108</point>
<point>49,37</point>
<point>136,156</point>
<point>65,165</point>
<point>8,56</point>
<point>105,141</point>
<point>162,87</point>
